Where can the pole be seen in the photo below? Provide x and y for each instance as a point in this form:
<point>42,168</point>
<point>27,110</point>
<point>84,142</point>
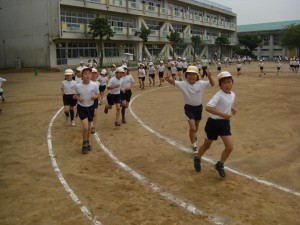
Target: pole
<point>4,54</point>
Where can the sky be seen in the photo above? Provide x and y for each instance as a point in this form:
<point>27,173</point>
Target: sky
<point>263,11</point>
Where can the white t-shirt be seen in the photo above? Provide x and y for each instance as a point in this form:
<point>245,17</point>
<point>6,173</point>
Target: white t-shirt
<point>1,81</point>
<point>151,70</point>
<point>112,82</point>
<point>192,93</point>
<point>223,102</point>
<point>173,70</point>
<point>86,91</point>
<point>111,73</point>
<point>141,73</point>
<point>78,79</point>
<point>185,65</point>
<point>103,80</point>
<point>161,68</point>
<point>127,80</point>
<point>68,86</point>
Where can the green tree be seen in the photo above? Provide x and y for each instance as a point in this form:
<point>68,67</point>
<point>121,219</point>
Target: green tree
<point>222,41</point>
<point>196,42</point>
<point>100,28</point>
<point>250,42</point>
<point>290,36</point>
<point>175,40</point>
<point>143,34</point>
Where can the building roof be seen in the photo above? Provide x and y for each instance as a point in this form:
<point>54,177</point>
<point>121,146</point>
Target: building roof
<point>266,26</point>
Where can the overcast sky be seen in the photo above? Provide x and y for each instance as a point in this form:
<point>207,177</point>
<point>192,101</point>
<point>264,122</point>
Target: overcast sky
<point>263,11</point>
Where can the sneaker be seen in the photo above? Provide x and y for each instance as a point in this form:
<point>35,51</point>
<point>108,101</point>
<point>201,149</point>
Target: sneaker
<point>105,110</point>
<point>89,147</point>
<point>197,163</point>
<point>84,148</point>
<point>123,121</point>
<point>72,123</point>
<point>220,169</point>
<point>93,130</point>
<point>117,124</point>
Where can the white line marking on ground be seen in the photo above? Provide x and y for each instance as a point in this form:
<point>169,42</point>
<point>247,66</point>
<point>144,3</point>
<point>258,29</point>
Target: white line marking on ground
<point>188,150</point>
<point>168,196</point>
<point>62,180</point>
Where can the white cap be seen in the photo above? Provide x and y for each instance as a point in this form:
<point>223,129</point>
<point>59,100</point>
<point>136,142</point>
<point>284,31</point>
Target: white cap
<point>223,75</point>
<point>124,67</point>
<point>81,62</point>
<point>103,71</point>
<point>161,61</point>
<point>79,68</point>
<point>150,64</point>
<point>120,69</point>
<point>69,72</point>
<point>183,59</point>
<point>94,70</point>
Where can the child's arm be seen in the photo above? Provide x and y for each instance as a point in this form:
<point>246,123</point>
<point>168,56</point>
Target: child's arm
<point>214,111</point>
<point>168,78</point>
<point>211,81</point>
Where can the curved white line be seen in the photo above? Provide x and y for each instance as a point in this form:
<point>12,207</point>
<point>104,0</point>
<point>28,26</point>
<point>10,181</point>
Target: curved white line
<point>62,180</point>
<point>168,196</point>
<point>188,150</point>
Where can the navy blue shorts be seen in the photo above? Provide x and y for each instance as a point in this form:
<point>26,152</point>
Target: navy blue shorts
<point>113,99</point>
<point>126,96</point>
<point>69,100</point>
<point>160,74</point>
<point>102,88</point>
<point>215,128</point>
<point>86,112</point>
<point>193,112</point>
<point>96,104</point>
<point>152,76</point>
<point>142,78</point>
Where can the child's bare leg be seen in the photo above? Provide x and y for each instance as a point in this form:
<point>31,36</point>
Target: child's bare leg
<point>228,143</point>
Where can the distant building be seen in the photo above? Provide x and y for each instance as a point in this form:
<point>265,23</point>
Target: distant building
<point>270,33</point>
<point>50,33</point>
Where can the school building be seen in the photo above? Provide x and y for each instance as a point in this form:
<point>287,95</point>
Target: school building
<point>51,33</point>
<point>270,33</point>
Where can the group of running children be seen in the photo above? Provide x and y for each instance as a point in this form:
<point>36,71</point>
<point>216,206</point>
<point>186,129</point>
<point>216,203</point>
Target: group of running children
<point>86,89</point>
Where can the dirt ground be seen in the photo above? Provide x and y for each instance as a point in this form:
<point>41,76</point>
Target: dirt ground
<point>266,131</point>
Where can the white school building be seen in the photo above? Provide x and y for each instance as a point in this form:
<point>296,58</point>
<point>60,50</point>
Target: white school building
<point>54,33</point>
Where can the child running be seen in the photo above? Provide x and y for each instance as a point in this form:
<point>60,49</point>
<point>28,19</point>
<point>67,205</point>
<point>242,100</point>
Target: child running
<point>261,67</point>
<point>192,89</point>
<point>102,79</point>
<point>127,82</point>
<point>96,103</point>
<point>85,94</point>
<point>1,89</point>
<point>142,76</point>
<point>220,108</point>
<point>161,69</point>
<point>68,91</point>
<point>113,97</point>
<point>278,66</point>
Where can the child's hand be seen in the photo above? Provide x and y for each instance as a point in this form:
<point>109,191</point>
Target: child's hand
<point>233,110</point>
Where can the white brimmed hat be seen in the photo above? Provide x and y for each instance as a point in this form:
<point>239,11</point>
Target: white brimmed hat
<point>120,69</point>
<point>150,64</point>
<point>192,69</point>
<point>94,70</point>
<point>223,75</point>
<point>69,72</point>
<point>103,71</point>
<point>161,61</point>
<point>79,68</point>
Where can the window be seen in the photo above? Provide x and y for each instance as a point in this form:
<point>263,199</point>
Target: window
<point>178,27</point>
<point>266,40</point>
<point>197,30</point>
<point>111,50</point>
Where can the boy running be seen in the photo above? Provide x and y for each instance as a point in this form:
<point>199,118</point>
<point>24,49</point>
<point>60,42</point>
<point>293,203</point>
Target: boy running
<point>192,89</point>
<point>220,108</point>
<point>114,97</point>
<point>68,91</point>
<point>85,94</point>
<point>127,82</point>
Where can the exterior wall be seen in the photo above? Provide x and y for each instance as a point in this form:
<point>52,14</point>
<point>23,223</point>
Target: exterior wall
<point>24,32</point>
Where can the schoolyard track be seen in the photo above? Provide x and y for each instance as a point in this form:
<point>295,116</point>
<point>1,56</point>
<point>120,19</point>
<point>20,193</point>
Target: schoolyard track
<point>168,196</point>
